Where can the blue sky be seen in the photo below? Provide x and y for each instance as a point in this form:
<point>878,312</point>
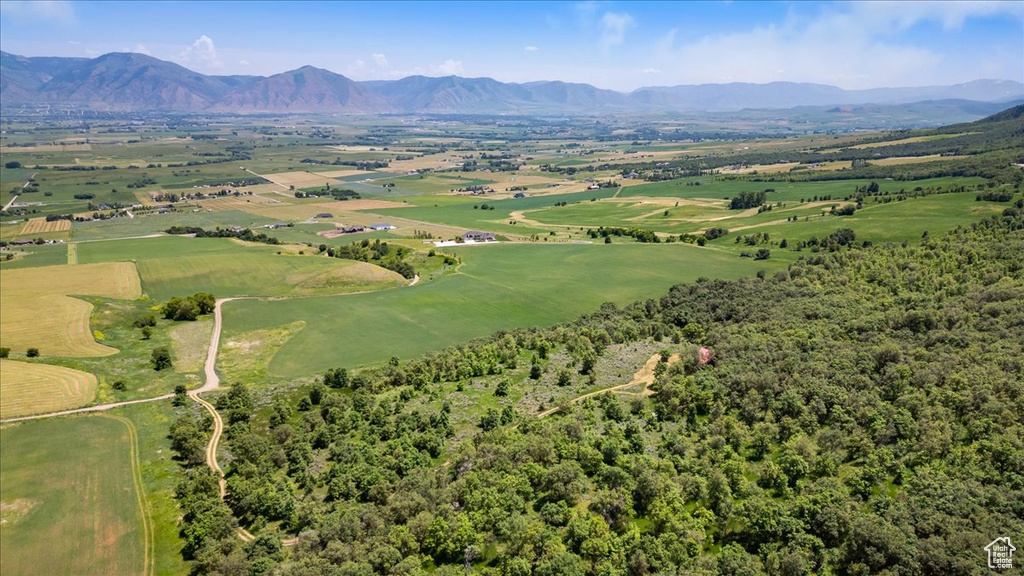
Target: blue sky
<point>617,45</point>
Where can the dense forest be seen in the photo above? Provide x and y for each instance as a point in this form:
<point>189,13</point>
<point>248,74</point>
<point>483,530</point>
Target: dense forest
<point>858,413</point>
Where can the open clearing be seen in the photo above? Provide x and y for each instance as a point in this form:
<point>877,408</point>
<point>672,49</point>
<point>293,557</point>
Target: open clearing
<point>36,309</point>
<point>190,341</point>
<point>28,388</point>
<point>41,226</point>
<point>73,499</point>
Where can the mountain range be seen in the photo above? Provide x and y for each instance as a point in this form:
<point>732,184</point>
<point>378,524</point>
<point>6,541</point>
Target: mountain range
<point>136,82</point>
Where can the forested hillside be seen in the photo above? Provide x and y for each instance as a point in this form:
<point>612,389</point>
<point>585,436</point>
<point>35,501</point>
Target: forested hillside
<point>859,413</point>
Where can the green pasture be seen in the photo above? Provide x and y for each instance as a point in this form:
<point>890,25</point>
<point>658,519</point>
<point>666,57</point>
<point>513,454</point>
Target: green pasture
<point>178,266</point>
<point>499,287</point>
<point>719,187</point>
<point>459,211</point>
<point>878,223</point>
<point>70,499</point>
<point>146,224</point>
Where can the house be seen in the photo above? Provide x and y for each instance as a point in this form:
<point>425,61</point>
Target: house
<point>324,215</point>
<point>476,236</point>
<point>381,226</point>
<point>276,225</point>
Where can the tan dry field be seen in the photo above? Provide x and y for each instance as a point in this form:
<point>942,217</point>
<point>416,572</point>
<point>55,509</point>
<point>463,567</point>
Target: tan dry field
<point>29,388</point>
<point>431,161</point>
<point>299,179</point>
<point>36,309</point>
<point>41,226</point>
<point>357,205</point>
<point>229,203</point>
<point>892,160</point>
<point>339,173</point>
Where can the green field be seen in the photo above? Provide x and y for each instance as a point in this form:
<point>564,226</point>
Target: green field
<point>719,187</point>
<point>71,497</point>
<point>178,266</point>
<point>499,287</point>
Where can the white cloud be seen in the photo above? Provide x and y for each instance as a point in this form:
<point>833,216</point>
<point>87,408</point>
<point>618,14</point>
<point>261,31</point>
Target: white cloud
<point>651,71</point>
<point>531,48</point>
<point>853,45</point>
<point>380,61</point>
<point>613,28</point>
<point>243,63</point>
<point>201,54</point>
<point>141,49</point>
<point>449,68</point>
<point>53,10</point>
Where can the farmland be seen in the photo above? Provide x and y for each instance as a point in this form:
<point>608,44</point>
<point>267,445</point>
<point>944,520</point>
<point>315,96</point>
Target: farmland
<point>72,501</point>
<point>39,311</point>
<point>748,249</point>
<point>33,388</point>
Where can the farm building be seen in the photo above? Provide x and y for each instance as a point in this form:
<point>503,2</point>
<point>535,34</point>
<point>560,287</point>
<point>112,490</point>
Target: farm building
<point>324,215</point>
<point>519,195</point>
<point>276,225</point>
<point>381,226</point>
<point>476,236</point>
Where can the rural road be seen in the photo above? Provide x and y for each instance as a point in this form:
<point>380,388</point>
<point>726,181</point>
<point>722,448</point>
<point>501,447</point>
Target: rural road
<point>97,408</point>
<point>8,205</point>
<point>643,376</point>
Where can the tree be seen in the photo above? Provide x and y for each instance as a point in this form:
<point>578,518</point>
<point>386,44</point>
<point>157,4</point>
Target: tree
<point>205,301</point>
<point>32,352</point>
<point>181,309</point>
<point>503,388</point>
<point>180,395</point>
<point>4,352</point>
<point>147,332</point>
<point>12,165</point>
<point>161,358</point>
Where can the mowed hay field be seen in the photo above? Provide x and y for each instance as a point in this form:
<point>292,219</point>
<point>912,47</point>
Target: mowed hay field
<point>501,286</point>
<point>70,500</point>
<point>41,226</point>
<point>179,266</point>
<point>27,388</point>
<point>36,310</point>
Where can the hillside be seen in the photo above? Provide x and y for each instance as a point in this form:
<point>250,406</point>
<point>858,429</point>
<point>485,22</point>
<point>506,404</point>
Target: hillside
<point>857,413</point>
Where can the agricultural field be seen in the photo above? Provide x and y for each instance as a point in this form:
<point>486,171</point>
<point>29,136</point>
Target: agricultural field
<point>30,388</point>
<point>38,308</point>
<point>72,498</point>
<point>497,287</point>
<point>175,266</point>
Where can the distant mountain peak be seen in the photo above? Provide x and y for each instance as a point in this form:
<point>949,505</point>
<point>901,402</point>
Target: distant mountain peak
<point>132,81</point>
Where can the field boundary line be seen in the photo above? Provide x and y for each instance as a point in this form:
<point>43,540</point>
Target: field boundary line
<point>148,560</point>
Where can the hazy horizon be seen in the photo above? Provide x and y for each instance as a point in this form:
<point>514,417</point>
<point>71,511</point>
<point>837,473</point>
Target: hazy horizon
<point>618,46</point>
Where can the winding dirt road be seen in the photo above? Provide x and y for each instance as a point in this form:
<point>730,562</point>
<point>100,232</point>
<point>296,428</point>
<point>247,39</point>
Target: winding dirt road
<point>643,376</point>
